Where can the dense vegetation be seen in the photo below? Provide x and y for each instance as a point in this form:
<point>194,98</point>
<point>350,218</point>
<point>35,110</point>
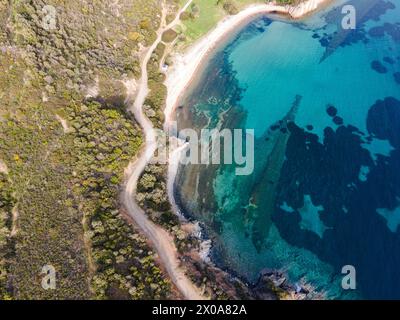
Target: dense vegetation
<point>153,198</point>
<point>105,139</point>
<point>6,245</point>
<point>155,101</point>
<point>65,140</point>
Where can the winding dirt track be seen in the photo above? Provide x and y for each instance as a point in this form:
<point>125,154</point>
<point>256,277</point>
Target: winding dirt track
<point>161,240</point>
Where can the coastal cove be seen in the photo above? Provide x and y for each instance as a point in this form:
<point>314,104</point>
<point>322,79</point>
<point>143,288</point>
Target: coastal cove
<point>325,106</point>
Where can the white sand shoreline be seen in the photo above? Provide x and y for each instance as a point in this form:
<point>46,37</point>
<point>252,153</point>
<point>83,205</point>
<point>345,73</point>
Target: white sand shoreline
<point>186,65</point>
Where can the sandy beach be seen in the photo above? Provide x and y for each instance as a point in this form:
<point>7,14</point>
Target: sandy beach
<point>186,65</point>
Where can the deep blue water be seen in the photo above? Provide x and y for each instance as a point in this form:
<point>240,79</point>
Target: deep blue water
<point>325,106</point>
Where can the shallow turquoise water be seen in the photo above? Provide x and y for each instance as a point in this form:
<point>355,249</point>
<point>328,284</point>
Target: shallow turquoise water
<point>285,61</point>
<point>334,197</point>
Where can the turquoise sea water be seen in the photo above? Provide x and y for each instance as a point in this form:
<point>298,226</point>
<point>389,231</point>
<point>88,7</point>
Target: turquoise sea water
<point>325,106</point>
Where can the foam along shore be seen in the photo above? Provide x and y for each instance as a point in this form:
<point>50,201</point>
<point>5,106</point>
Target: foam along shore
<point>187,65</point>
